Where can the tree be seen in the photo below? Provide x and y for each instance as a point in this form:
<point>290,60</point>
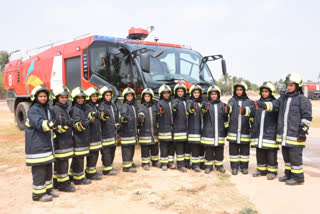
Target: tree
<point>4,59</point>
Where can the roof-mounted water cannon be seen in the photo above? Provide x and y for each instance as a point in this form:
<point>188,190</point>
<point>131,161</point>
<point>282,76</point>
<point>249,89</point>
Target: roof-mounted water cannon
<point>139,33</point>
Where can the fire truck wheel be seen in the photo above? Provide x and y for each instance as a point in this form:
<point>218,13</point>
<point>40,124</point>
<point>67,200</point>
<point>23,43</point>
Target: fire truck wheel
<point>314,97</point>
<point>21,114</point>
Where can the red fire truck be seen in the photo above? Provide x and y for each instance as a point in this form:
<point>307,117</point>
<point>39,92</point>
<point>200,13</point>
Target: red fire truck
<point>102,60</point>
<point>311,90</point>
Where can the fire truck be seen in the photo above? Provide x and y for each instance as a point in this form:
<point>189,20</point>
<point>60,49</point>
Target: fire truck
<point>106,61</point>
<point>311,90</point>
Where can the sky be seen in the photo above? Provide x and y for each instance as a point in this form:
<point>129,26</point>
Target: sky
<point>261,40</point>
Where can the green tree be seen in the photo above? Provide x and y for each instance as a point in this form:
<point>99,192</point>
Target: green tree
<point>4,59</point>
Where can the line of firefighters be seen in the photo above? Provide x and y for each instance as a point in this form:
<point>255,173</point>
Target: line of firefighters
<point>191,132</point>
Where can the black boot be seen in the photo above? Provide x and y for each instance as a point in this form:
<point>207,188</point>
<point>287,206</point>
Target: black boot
<point>293,182</point>
<point>207,170</point>
<point>182,169</point>
<point>146,167</point>
<point>95,176</point>
<point>68,188</point>
<point>234,171</point>
<point>271,176</point>
<point>284,178</point>
<point>84,181</point>
<point>197,169</point>
<point>221,169</point>
<point>258,173</point>
<point>131,169</point>
<point>244,171</point>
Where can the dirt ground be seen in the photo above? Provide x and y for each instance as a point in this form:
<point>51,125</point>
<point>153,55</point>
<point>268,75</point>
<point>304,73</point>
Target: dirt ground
<point>153,191</point>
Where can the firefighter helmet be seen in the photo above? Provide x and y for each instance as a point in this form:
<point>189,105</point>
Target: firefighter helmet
<point>38,89</point>
<point>78,92</point>
<point>90,91</point>
<point>195,87</point>
<point>213,88</point>
<point>147,91</point>
<point>242,84</point>
<point>127,91</point>
<point>60,90</point>
<point>269,86</point>
<point>164,88</point>
<point>293,78</point>
<point>104,90</point>
<point>179,86</point>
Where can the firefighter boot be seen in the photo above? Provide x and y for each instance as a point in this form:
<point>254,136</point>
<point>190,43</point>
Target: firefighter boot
<point>164,168</point>
<point>284,178</point>
<point>293,182</point>
<point>146,167</point>
<point>234,171</point>
<point>112,172</point>
<point>45,198</point>
<point>258,173</point>
<point>244,171</point>
<point>131,169</point>
<point>197,169</point>
<point>95,177</point>
<point>84,181</point>
<point>221,169</point>
<point>182,169</point>
<point>207,170</point>
<point>271,176</point>
<point>53,193</point>
<point>171,166</point>
<point>68,188</point>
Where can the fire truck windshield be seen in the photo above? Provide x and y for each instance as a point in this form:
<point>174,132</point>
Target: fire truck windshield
<point>176,64</point>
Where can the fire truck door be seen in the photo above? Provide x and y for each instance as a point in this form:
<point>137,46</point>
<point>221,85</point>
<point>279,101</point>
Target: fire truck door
<point>73,72</point>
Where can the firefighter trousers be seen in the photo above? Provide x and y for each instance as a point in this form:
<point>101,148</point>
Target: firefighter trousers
<point>197,153</point>
<point>267,161</point>
<point>214,156</point>
<point>61,177</point>
<point>77,169</point>
<point>171,152</point>
<point>107,157</point>
<point>187,154</point>
<point>92,160</point>
<point>292,157</point>
<point>239,155</point>
<point>148,151</point>
<point>42,180</point>
<point>127,152</point>
<point>180,151</point>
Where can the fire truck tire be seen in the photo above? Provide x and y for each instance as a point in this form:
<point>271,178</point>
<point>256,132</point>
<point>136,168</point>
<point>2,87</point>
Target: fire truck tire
<point>21,114</point>
<point>314,97</point>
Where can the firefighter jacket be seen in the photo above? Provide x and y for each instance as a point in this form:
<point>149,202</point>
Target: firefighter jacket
<point>294,110</point>
<point>180,119</point>
<point>239,125</point>
<point>148,123</point>
<point>81,132</point>
<point>194,120</point>
<point>63,143</point>
<point>38,136</point>
<point>215,123</point>
<point>95,127</point>
<point>165,119</point>
<point>109,123</point>
<point>128,121</point>
<point>264,128</point>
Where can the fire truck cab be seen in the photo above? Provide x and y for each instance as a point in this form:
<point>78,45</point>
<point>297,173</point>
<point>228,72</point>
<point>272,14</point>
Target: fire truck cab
<point>101,60</point>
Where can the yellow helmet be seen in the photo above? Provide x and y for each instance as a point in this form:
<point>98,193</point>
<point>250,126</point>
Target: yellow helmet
<point>147,91</point>
<point>164,88</point>
<point>213,88</point>
<point>78,92</point>
<point>195,87</point>
<point>293,78</point>
<point>267,85</point>
<point>104,90</point>
<point>242,84</point>
<point>90,91</point>
<point>60,90</point>
<point>38,89</point>
<point>127,91</point>
<point>179,86</point>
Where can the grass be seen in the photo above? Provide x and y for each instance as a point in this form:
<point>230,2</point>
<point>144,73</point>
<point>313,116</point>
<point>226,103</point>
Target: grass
<point>248,210</point>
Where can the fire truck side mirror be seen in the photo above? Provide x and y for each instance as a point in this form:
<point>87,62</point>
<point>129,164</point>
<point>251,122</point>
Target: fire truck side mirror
<point>224,67</point>
<point>145,62</point>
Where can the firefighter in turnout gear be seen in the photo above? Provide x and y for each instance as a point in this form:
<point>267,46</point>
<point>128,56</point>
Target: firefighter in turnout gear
<point>39,143</point>
<point>81,136</point>
<point>165,128</point>
<point>194,126</point>
<point>63,143</point>
<point>128,130</point>
<point>109,125</point>
<point>148,129</point>
<point>295,115</point>
<point>91,109</point>
<point>180,126</point>
<point>215,126</point>
<point>263,134</point>
<point>239,128</point>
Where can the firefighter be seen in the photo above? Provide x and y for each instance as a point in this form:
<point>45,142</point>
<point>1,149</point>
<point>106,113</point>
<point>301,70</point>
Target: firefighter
<point>109,127</point>
<point>263,134</point>
<point>128,130</point>
<point>194,126</point>
<point>165,128</point>
<point>295,115</point>
<point>148,129</point>
<point>81,136</point>
<point>91,108</point>
<point>239,128</point>
<point>180,126</point>
<point>63,143</point>
<point>215,126</point>
<point>39,145</point>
